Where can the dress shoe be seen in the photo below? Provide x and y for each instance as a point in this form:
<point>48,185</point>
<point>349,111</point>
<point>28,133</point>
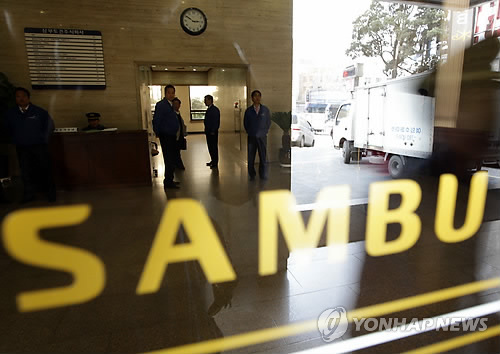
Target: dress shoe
<point>209,163</point>
<point>171,185</point>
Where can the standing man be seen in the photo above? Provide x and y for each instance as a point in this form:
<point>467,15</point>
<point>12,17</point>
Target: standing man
<point>30,127</point>
<point>93,119</point>
<point>181,135</point>
<point>166,126</point>
<point>212,124</point>
<point>257,122</point>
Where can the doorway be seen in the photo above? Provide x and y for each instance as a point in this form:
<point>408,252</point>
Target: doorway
<point>227,84</point>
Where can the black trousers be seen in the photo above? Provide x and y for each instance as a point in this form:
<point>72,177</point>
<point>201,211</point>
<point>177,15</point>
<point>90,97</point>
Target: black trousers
<point>170,149</point>
<point>36,170</point>
<point>257,144</point>
<point>178,157</point>
<point>213,147</point>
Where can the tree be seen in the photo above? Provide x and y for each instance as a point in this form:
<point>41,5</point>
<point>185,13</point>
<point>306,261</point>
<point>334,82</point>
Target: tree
<point>407,38</point>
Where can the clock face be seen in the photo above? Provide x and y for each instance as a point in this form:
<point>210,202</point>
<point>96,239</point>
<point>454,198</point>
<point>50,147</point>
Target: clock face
<point>193,21</point>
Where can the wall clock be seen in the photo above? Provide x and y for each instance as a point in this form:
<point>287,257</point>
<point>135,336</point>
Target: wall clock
<point>193,21</point>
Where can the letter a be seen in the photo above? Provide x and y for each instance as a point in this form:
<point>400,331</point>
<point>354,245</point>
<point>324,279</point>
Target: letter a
<point>204,247</point>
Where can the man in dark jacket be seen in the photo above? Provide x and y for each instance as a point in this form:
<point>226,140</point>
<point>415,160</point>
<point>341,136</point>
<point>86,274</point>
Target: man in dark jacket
<point>212,124</point>
<point>166,126</point>
<point>30,127</point>
<point>94,121</point>
<point>257,122</point>
<point>181,134</point>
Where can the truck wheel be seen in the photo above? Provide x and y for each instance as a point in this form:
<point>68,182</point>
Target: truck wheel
<point>396,166</point>
<point>301,144</point>
<point>346,152</point>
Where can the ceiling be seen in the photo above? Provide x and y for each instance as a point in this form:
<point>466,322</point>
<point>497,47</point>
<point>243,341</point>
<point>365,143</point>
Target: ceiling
<point>179,68</point>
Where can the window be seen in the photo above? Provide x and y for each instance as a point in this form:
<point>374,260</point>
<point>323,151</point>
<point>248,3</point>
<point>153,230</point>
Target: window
<point>316,108</point>
<point>344,112</point>
<point>197,98</point>
<point>332,111</point>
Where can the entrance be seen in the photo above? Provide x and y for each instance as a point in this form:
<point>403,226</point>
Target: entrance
<point>227,84</point>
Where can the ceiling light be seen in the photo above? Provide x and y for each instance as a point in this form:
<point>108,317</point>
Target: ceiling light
<point>194,69</point>
<point>166,68</point>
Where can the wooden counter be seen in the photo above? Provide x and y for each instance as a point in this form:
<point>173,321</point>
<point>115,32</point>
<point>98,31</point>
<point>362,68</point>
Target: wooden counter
<point>100,159</point>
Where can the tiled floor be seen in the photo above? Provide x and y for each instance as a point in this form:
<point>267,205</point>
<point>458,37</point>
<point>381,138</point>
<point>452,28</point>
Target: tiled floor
<point>121,230</point>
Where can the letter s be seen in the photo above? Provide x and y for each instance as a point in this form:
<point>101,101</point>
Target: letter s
<point>22,241</point>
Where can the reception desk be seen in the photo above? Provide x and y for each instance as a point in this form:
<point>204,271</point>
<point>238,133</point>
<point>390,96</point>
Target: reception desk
<point>101,159</point>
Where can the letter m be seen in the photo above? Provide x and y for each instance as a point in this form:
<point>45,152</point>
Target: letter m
<point>278,209</point>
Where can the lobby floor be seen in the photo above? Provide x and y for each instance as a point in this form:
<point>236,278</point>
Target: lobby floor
<point>123,224</point>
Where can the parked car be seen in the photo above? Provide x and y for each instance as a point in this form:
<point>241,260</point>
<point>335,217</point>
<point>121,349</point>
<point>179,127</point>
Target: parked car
<point>302,132</point>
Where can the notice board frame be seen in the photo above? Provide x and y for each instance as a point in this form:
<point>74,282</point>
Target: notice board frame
<point>62,58</point>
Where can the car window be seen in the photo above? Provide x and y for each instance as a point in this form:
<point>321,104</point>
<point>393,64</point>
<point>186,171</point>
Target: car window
<point>332,111</point>
<point>344,111</point>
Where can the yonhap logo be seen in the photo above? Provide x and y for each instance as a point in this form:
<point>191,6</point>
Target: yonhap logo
<point>332,323</point>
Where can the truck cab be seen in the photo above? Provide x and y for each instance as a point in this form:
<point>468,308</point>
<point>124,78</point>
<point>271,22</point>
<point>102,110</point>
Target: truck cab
<point>342,125</point>
<point>330,114</point>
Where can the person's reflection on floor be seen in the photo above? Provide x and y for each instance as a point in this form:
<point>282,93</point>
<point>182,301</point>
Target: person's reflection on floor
<point>222,292</point>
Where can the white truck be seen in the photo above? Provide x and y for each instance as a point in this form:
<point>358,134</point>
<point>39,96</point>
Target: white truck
<point>392,119</point>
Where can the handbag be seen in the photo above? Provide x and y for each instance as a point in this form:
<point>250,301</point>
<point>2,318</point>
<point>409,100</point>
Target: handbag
<point>182,143</point>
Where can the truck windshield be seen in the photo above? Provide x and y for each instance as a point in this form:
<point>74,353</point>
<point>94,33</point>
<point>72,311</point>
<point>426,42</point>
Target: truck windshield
<point>316,108</point>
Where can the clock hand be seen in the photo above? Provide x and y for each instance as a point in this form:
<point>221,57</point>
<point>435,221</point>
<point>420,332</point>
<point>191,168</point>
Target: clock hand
<point>190,18</point>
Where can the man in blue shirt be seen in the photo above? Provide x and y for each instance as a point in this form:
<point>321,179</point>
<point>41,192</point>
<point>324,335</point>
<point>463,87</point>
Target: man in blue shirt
<point>166,127</point>
<point>212,124</point>
<point>30,127</point>
<point>257,122</point>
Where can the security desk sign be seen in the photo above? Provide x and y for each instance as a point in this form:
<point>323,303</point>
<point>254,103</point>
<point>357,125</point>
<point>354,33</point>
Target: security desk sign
<point>65,58</point>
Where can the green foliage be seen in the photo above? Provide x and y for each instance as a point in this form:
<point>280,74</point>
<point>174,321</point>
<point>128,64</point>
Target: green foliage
<point>283,119</point>
<point>401,35</point>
